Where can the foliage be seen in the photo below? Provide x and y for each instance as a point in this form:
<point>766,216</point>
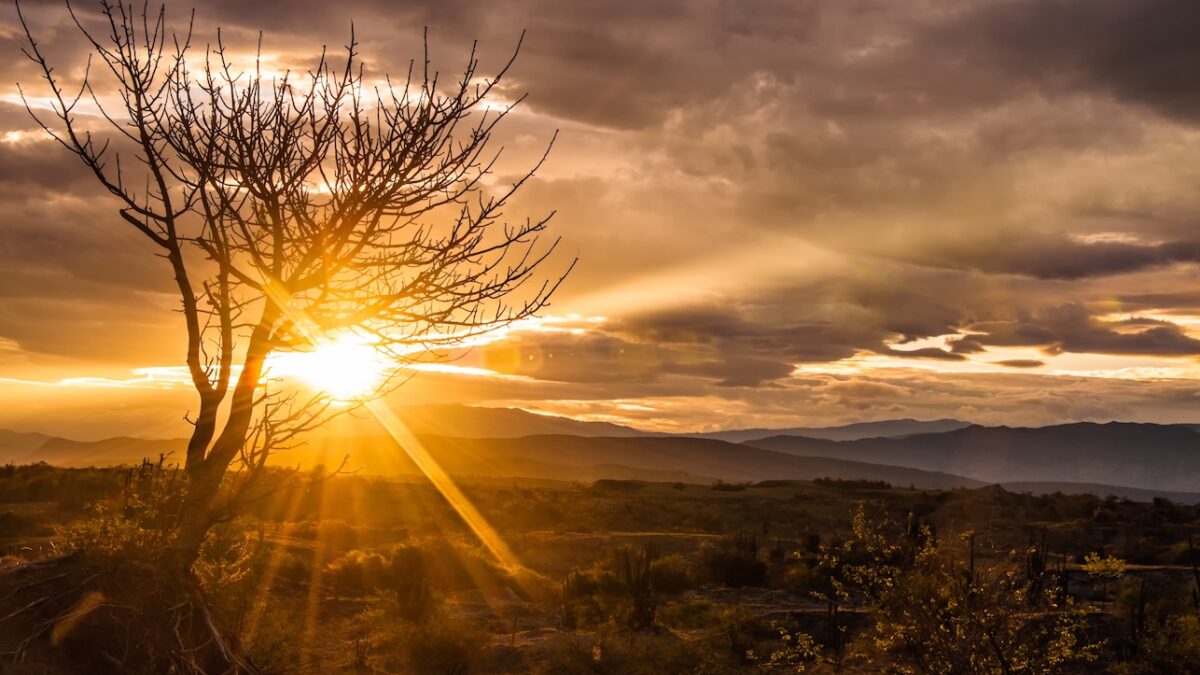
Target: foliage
<point>896,597</point>
<point>868,562</point>
<point>139,524</point>
<point>1103,566</point>
<point>935,619</point>
<point>1169,645</point>
<point>936,615</point>
<point>798,651</point>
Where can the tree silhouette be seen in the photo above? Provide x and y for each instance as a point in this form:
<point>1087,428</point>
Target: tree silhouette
<point>293,206</point>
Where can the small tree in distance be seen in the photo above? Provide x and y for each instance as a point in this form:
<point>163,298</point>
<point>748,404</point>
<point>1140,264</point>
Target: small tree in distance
<point>292,207</point>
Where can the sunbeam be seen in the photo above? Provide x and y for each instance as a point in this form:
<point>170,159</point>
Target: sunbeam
<point>447,487</point>
<point>425,462</point>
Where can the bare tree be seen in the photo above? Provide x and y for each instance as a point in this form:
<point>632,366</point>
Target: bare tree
<point>293,206</point>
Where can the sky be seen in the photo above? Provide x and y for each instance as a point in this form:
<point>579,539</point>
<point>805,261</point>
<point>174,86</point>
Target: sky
<point>785,212</point>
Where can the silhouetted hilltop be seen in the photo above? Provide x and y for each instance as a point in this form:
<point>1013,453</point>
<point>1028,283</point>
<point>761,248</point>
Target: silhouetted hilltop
<point>1137,461</point>
<point>1149,456</point>
<point>846,432</point>
<point>478,422</point>
<point>15,444</point>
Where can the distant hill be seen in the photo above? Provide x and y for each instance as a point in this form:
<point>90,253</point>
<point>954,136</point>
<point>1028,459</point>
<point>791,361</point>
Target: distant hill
<point>1148,456</point>
<point>119,450</point>
<point>442,420</point>
<point>559,457</point>
<point>1134,494</point>
<point>477,422</point>
<point>16,444</point>
<point>1136,461</point>
<point>848,432</point>
<point>570,457</point>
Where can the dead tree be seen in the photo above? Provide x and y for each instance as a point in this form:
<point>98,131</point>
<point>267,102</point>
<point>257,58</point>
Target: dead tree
<point>292,206</point>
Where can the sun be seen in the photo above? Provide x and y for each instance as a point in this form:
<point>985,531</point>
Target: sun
<point>345,367</point>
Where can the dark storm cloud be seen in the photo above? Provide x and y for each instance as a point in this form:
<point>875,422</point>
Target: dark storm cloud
<point>1057,257</point>
<point>1144,51</point>
<point>727,328</point>
<point>1184,300</point>
<point>730,343</point>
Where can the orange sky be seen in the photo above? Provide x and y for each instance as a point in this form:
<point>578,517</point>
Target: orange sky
<point>785,213</point>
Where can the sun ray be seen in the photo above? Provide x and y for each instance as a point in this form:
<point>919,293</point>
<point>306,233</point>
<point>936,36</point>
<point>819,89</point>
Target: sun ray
<point>279,552</point>
<point>446,486</point>
<point>416,451</point>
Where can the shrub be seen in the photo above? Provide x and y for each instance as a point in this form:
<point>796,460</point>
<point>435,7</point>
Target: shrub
<point>722,486</point>
<point>733,561</point>
<point>1103,566</point>
<point>853,483</point>
<point>444,646</point>
<point>670,575</point>
<point>358,572</point>
<point>400,576</point>
<point>690,613</point>
<point>637,654</point>
<point>1170,646</point>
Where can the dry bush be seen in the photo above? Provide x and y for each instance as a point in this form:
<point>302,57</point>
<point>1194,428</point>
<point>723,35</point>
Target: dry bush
<point>633,654</point>
<point>733,561</point>
<point>671,575</point>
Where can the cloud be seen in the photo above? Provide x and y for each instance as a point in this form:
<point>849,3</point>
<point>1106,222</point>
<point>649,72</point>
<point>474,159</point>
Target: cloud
<point>1056,257</point>
<point>1143,51</point>
<point>1022,363</point>
<point>782,184</point>
<point>1072,328</point>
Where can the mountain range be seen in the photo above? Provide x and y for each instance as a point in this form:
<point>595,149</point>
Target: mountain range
<point>1138,461</point>
<point>1148,456</point>
<point>848,432</point>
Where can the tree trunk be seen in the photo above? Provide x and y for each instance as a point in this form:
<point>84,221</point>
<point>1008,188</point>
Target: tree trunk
<point>195,519</point>
<point>206,471</point>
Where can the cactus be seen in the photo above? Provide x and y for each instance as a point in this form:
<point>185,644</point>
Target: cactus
<point>1192,557</point>
<point>970,573</point>
<point>778,552</point>
<point>572,591</point>
<point>1064,580</point>
<point>812,543</point>
<point>918,535</point>
<point>835,630</point>
<point>362,648</point>
<point>637,583</point>
<point>1137,614</point>
<point>1035,569</point>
